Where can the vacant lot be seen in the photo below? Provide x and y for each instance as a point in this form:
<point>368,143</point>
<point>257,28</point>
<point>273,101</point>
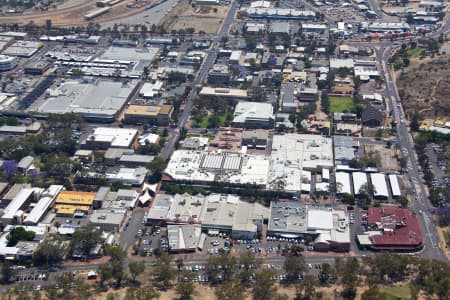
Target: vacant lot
<point>387,159</point>
<point>425,87</point>
<point>341,104</point>
<point>202,18</point>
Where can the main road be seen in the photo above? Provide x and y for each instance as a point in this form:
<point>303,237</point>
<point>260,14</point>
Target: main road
<point>405,141</point>
<point>208,62</point>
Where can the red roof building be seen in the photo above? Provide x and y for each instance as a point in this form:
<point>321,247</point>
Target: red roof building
<point>399,229</point>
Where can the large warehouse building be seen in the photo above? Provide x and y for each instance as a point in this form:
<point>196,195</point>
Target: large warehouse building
<point>96,100</point>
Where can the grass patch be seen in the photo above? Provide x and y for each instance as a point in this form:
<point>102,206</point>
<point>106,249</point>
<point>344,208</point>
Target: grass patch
<point>416,52</point>
<point>205,121</point>
<point>341,104</point>
<point>401,292</point>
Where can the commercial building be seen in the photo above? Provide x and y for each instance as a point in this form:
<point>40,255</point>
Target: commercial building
<point>224,92</point>
<point>379,186</point>
<point>43,205</point>
<point>279,13</point>
<point>392,229</point>
<point>13,192</point>
<point>183,238</point>
<point>110,137</point>
<point>151,90</point>
<point>136,58</point>
<point>14,210</point>
<point>176,209</point>
<point>343,149</point>
<point>96,100</point>
<point>154,114</point>
<point>359,182</point>
<point>134,160</point>
<point>395,186</point>
<point>129,176</point>
<point>343,185</point>
<point>372,116</point>
<point>329,228</point>
<point>68,203</point>
<point>187,167</point>
<point>108,219</point>
<point>388,27</point>
<point>23,48</point>
<point>293,158</point>
<point>255,139</point>
<point>8,62</point>
<point>219,74</point>
<point>215,213</point>
<point>308,95</point>
<point>254,115</point>
<point>36,67</point>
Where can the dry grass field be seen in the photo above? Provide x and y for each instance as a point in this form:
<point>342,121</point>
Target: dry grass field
<point>201,18</point>
<point>425,87</point>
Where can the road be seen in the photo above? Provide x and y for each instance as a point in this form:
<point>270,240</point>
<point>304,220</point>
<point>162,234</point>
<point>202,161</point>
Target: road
<point>208,62</point>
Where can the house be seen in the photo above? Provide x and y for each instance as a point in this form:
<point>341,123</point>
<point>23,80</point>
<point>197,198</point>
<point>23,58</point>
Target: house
<point>372,117</point>
<point>25,163</point>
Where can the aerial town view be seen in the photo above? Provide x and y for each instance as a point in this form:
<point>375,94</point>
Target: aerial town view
<point>225,149</point>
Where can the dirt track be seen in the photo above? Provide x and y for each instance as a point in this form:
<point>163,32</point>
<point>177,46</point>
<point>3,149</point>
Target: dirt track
<point>73,15</point>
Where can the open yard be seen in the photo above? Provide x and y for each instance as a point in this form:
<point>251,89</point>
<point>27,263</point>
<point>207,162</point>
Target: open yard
<point>341,104</point>
<point>202,18</point>
<point>401,292</point>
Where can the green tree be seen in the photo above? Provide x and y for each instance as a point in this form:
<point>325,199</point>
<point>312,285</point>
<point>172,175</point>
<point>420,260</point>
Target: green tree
<point>264,286</point>
<point>19,234</point>
<point>293,266</point>
<point>249,263</point>
<point>105,273</point>
<point>50,252</point>
<point>229,290</point>
<point>156,167</point>
<point>327,274</point>
<point>85,239</point>
<point>136,268</point>
<point>306,289</point>
<point>185,288</point>
<point>162,271</point>
<point>7,272</point>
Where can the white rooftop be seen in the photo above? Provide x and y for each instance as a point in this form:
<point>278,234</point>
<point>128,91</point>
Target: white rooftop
<point>118,137</point>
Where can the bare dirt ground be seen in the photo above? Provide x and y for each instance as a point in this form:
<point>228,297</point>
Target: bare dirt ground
<point>201,18</point>
<point>425,86</point>
<point>387,156</point>
<point>74,14</point>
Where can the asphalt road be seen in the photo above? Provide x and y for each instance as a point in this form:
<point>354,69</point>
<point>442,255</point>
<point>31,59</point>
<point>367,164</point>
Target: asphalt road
<point>208,62</point>
<point>128,237</point>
